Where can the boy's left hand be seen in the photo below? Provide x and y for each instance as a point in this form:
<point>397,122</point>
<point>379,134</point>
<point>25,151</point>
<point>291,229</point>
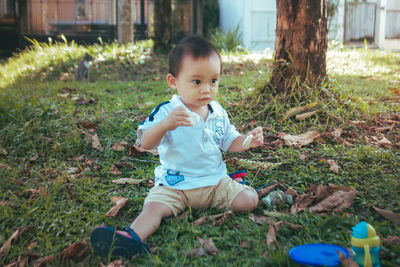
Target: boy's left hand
<point>258,138</point>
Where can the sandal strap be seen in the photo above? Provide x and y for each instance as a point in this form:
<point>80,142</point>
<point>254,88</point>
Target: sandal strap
<point>132,233</point>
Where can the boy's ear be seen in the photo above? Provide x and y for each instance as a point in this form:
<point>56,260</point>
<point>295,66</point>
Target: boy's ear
<point>171,81</point>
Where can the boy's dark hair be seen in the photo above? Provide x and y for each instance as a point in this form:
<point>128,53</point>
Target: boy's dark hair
<point>194,45</point>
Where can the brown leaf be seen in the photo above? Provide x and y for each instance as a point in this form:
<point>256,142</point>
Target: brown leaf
<point>83,101</point>
<point>337,133</point>
<point>44,260</point>
<point>306,115</point>
<point>391,240</point>
<point>294,111</point>
<point>300,140</point>
<point>43,138</point>
<point>21,262</point>
<point>208,245</point>
<point>37,192</point>
<point>13,237</point>
<point>114,170</point>
<point>119,203</point>
<point>31,245</point>
<point>266,254</point>
<point>4,166</point>
<point>3,151</point>
<point>273,231</point>
<point>265,190</point>
<point>201,220</point>
<point>136,150</point>
<point>260,220</point>
<point>127,181</point>
<point>389,215</point>
<point>196,252</point>
<point>116,263</point>
<point>88,124</point>
<point>325,198</point>
<point>74,251</point>
<point>119,146</point>
<point>219,218</point>
<point>96,142</point>
<point>243,244</point>
<point>334,167</point>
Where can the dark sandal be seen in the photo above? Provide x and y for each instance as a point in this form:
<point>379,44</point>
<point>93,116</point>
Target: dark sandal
<point>106,240</point>
<point>238,176</point>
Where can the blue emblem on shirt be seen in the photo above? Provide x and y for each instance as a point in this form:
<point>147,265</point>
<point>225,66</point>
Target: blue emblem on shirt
<point>173,177</point>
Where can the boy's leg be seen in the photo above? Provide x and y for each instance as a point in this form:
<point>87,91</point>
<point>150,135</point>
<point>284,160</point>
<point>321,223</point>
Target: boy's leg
<point>149,219</point>
<point>235,196</point>
<point>246,200</point>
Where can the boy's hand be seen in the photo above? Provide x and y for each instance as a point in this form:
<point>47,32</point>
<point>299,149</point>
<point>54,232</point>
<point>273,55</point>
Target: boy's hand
<point>177,117</point>
<point>258,138</point>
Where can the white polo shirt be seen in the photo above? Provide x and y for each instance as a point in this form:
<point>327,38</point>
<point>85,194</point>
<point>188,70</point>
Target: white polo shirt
<point>190,156</point>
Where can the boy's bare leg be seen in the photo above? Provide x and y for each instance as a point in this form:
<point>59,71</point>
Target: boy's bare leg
<point>150,218</point>
<point>246,200</point>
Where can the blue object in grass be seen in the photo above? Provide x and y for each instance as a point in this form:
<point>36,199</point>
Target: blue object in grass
<point>318,254</point>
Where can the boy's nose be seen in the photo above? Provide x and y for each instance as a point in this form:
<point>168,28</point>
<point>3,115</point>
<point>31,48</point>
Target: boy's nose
<point>205,89</point>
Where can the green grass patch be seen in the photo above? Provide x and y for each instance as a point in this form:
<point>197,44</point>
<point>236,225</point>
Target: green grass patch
<point>41,136</point>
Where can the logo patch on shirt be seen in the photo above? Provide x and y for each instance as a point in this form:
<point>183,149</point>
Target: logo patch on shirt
<point>173,177</point>
<point>218,132</point>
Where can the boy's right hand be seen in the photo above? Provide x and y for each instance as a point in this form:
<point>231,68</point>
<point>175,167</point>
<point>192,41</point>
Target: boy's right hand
<point>177,117</point>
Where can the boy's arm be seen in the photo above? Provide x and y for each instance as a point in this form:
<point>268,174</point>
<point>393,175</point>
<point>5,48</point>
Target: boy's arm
<point>153,136</point>
<point>258,140</point>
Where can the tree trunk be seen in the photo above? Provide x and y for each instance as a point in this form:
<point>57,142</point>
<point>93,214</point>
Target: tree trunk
<point>125,24</point>
<point>162,25</point>
<point>300,43</point>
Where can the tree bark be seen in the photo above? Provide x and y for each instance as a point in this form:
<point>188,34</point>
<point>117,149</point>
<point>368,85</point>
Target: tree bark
<point>125,23</point>
<point>300,43</point>
<point>162,25</point>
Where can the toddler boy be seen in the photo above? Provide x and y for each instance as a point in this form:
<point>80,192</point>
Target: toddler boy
<point>189,131</point>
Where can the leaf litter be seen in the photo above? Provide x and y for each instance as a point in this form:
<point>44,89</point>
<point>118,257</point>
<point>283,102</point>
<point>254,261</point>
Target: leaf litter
<point>119,202</point>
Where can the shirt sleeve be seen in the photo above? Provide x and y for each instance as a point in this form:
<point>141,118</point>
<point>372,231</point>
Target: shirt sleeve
<point>230,132</point>
<point>158,114</point>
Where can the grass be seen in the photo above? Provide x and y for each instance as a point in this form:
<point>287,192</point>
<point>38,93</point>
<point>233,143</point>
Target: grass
<point>127,82</point>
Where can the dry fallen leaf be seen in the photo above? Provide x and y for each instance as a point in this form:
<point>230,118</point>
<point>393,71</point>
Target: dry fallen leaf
<point>88,124</point>
<point>3,151</point>
<point>294,111</point>
<point>389,215</point>
<point>13,237</point>
<point>334,167</point>
<point>304,116</point>
<point>391,240</point>
<point>252,164</point>
<point>300,140</point>
<point>325,199</point>
<point>96,142</point>
<point>208,245</point>
<point>4,166</point>
<point>273,231</point>
<point>136,150</point>
<point>114,170</point>
<point>259,219</point>
<point>120,146</point>
<point>127,181</point>
<point>218,218</point>
<point>119,203</point>
<point>265,190</point>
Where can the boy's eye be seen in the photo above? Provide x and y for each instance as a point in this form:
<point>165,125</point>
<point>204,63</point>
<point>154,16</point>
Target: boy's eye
<point>196,82</point>
<point>214,80</point>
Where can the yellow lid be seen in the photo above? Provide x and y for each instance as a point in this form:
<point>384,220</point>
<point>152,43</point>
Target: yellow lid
<point>370,241</point>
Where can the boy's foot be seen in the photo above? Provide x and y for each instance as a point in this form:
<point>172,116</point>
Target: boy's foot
<point>108,241</point>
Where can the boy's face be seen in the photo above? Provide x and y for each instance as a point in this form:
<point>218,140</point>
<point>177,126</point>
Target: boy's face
<point>197,80</point>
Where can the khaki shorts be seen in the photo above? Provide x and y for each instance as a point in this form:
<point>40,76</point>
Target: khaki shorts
<point>219,196</point>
